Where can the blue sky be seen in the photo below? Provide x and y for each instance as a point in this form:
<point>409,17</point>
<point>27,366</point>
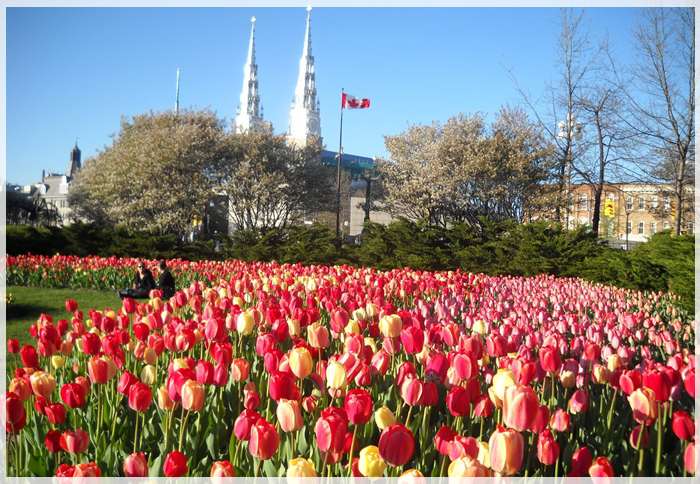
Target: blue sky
<point>74,72</point>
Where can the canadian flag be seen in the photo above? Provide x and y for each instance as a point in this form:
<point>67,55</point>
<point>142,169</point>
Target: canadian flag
<point>352,102</point>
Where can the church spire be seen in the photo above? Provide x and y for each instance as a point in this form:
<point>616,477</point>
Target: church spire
<point>248,114</point>
<point>74,163</point>
<point>304,118</point>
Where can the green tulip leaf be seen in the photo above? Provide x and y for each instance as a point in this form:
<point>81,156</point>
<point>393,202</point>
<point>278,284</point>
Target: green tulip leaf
<point>156,469</point>
<point>36,466</point>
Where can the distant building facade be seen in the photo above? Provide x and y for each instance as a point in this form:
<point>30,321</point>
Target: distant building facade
<point>638,210</point>
<point>46,203</point>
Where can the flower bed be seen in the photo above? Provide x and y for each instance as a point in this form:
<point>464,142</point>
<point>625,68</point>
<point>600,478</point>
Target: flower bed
<point>261,369</point>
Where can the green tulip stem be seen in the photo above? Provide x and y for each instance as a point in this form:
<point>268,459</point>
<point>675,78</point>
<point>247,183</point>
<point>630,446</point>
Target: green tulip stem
<point>136,432</point>
<point>410,409</point>
<point>685,449</point>
<point>325,461</point>
<point>168,416</point>
<point>291,447</point>
<point>659,439</point>
<point>640,449</point>
<point>481,428</point>
<point>235,455</point>
<point>610,412</point>
<point>556,469</point>
<point>442,467</point>
<point>257,470</point>
<point>551,394</point>
<point>14,432</point>
<point>352,448</point>
<point>182,428</point>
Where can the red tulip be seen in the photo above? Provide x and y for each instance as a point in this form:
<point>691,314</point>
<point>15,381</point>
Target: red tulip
<point>578,403</point>
<point>659,382</point>
<point>429,396</point>
<point>639,441</point>
<point>443,438</point>
<point>29,357</point>
<point>140,397</point>
<point>53,441</point>
<point>630,381</point>
<point>483,407</point>
<point>412,391</point>
<point>550,359</point>
<point>13,409</point>
<point>358,405</point>
<point>40,404</point>
<point>56,413</point>
<point>541,419</point>
<point>71,305</point>
<point>581,461</point>
<point>175,464</point>
<point>205,372</point>
<point>547,448</point>
<point>264,440</point>
<point>75,441</point>
<point>330,430</point>
<point>281,386</point>
<point>135,465</point>
<point>412,340</point>
<point>689,382</point>
<point>125,383</point>
<point>520,407</point>
<point>222,469</point>
<point>458,402</point>
<point>465,365</point>
<point>560,421</point>
<point>396,445</point>
<point>244,423</point>
<point>683,425</point>
<point>91,343</point>
<point>13,345</point>
<point>601,467</point>
<point>87,470</point>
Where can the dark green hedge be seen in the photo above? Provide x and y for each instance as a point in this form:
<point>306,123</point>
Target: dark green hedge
<point>665,263</point>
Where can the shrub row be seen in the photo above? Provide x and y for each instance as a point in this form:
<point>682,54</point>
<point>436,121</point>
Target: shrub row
<point>665,263</point>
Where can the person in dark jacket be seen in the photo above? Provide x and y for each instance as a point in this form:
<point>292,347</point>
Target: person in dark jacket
<point>143,283</point>
<point>166,281</point>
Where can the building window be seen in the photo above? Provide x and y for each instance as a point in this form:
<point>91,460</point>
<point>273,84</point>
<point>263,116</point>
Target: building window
<point>640,228</point>
<point>666,225</point>
<point>629,227</point>
<point>667,203</point>
<point>654,202</point>
<point>642,202</point>
<point>652,228</point>
<point>690,228</point>
<point>630,203</point>
<point>584,202</point>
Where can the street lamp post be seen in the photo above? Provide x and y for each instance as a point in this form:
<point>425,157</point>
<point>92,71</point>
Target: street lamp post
<point>569,130</point>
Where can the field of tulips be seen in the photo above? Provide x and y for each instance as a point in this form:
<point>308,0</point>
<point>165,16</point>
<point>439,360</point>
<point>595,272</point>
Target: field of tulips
<point>268,370</point>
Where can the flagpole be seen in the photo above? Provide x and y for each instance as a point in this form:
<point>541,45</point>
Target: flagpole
<point>340,159</point>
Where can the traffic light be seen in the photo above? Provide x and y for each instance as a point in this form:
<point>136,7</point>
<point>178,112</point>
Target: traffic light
<point>609,207</point>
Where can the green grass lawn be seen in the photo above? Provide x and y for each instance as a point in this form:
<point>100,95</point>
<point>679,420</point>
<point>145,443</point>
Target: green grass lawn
<point>31,302</point>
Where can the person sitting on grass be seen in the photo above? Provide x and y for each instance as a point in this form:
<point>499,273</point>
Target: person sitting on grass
<point>143,283</point>
<point>166,281</point>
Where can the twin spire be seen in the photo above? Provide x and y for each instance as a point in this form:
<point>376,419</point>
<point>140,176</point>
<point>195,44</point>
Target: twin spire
<point>304,118</point>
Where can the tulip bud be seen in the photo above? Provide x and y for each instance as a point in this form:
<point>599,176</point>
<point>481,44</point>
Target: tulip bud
<point>301,467</point>
<point>370,464</point>
<point>289,415</point>
<point>506,450</point>
<point>336,376</point>
<point>384,417</point>
<point>136,465</point>
<point>148,375</point>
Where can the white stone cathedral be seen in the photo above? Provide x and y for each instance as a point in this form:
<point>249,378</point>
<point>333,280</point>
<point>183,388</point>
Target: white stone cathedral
<point>304,116</point>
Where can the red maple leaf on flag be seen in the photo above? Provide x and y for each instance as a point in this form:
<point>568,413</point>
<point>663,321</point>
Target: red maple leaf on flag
<point>353,103</point>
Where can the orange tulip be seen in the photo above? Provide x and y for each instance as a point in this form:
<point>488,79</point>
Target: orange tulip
<point>42,383</point>
<point>467,466</point>
<point>506,449</point>
<point>289,415</point>
<point>643,403</point>
<point>192,396</point>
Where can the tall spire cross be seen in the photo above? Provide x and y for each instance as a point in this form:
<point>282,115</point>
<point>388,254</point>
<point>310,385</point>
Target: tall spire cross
<point>249,114</point>
<point>304,118</point>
